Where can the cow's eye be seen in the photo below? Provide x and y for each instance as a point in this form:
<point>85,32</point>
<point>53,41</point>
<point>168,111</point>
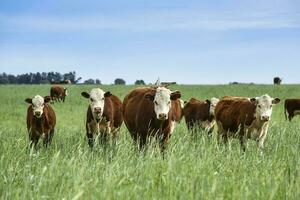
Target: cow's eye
<point>270,106</point>
<point>91,99</point>
<point>259,106</point>
<point>169,102</point>
<point>103,98</point>
<point>155,102</point>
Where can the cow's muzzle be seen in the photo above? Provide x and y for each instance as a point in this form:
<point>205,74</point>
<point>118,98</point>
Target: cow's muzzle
<point>162,116</point>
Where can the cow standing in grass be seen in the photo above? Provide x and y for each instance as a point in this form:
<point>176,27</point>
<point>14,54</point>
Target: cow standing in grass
<point>152,112</point>
<point>104,115</point>
<point>245,118</point>
<point>200,114</point>
<point>58,93</point>
<point>41,120</point>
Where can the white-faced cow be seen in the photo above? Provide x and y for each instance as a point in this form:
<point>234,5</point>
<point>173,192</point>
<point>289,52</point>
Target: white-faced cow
<point>200,114</point>
<point>245,118</point>
<point>41,120</point>
<point>152,111</point>
<point>104,115</point>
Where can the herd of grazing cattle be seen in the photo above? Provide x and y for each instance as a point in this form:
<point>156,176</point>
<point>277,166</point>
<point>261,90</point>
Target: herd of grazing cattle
<point>153,112</point>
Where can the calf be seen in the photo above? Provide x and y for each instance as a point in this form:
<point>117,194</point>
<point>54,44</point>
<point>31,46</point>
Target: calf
<point>41,120</point>
<point>245,118</point>
<point>104,115</point>
<point>200,114</point>
<point>58,93</point>
<point>292,107</point>
<point>152,111</point>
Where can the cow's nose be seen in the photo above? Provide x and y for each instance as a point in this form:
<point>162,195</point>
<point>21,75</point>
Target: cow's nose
<point>162,116</point>
<point>37,113</point>
<point>265,118</point>
<point>97,110</point>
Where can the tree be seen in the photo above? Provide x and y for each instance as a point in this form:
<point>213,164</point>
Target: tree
<point>119,81</point>
<point>98,82</point>
<point>140,82</point>
<point>89,81</point>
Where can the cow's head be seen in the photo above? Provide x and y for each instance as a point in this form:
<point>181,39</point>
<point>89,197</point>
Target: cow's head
<point>37,104</point>
<point>66,91</point>
<point>162,101</point>
<point>212,105</point>
<point>97,100</point>
<point>264,105</point>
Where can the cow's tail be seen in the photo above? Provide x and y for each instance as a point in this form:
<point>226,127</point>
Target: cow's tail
<point>285,111</point>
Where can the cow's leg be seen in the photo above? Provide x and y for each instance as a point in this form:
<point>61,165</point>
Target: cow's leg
<point>242,138</point>
<point>34,139</point>
<point>291,117</point>
<point>48,137</point>
<point>90,139</point>
<point>164,142</point>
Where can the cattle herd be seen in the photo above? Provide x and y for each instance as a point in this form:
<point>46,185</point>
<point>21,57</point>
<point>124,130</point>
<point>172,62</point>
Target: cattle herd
<point>153,112</point>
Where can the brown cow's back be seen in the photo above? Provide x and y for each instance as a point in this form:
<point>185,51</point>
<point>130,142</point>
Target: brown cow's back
<point>196,111</point>
<point>232,112</point>
<point>292,107</point>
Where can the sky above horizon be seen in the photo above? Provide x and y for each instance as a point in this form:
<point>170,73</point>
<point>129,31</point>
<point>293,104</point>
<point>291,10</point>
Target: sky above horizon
<point>190,42</point>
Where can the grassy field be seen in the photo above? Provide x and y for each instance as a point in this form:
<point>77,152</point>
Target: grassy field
<point>193,168</point>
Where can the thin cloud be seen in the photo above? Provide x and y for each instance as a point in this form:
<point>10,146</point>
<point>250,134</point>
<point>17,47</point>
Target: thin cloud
<point>155,21</point>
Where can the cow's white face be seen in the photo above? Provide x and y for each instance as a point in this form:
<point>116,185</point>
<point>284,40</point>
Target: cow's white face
<point>97,101</point>
<point>264,106</point>
<point>162,101</point>
<point>212,106</point>
<point>38,103</point>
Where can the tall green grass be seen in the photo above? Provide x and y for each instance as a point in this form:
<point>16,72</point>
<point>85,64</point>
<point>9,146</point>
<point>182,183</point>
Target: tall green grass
<point>194,166</point>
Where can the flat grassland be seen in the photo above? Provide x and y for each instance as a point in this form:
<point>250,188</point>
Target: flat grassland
<point>194,167</point>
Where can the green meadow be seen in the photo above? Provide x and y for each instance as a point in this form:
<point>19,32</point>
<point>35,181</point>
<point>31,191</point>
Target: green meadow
<point>193,167</point>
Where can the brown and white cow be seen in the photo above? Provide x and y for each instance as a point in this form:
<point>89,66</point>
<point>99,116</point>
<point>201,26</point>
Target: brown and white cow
<point>152,112</point>
<point>41,120</point>
<point>104,115</point>
<point>292,107</point>
<point>58,93</point>
<point>245,118</point>
<point>200,114</point>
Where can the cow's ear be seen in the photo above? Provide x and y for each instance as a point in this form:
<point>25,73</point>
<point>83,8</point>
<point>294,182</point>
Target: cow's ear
<point>107,94</point>
<point>275,100</point>
<point>28,100</point>
<point>253,100</point>
<point>149,96</point>
<point>175,95</point>
<point>47,99</point>
<point>85,94</point>
<point>207,101</point>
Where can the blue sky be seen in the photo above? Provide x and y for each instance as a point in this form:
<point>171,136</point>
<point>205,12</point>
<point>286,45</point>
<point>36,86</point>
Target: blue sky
<point>205,42</point>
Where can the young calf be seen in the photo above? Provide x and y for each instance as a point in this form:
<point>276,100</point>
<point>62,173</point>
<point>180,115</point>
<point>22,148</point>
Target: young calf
<point>200,114</point>
<point>41,120</point>
<point>104,115</point>
<point>245,118</point>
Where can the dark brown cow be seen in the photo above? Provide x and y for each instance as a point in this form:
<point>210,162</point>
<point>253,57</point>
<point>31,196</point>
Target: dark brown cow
<point>200,114</point>
<point>292,107</point>
<point>58,93</point>
<point>277,81</point>
<point>104,115</point>
<point>245,118</point>
<point>41,120</point>
<point>152,111</point>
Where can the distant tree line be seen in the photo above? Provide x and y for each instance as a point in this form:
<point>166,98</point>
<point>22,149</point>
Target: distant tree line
<point>54,78</point>
<point>38,78</point>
